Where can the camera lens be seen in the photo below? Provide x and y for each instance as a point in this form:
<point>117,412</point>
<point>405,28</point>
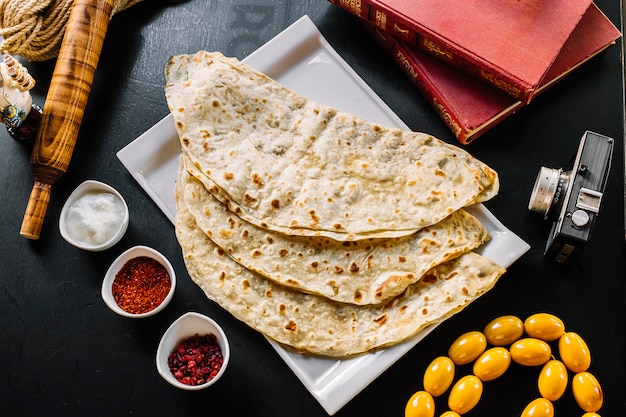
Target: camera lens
<point>547,194</point>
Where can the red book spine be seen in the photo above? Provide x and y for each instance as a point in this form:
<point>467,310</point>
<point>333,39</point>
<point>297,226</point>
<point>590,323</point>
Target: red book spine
<point>411,68</point>
<point>440,51</point>
<point>467,106</point>
<point>385,19</point>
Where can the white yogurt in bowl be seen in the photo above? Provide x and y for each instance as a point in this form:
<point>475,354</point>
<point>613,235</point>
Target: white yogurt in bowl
<point>94,217</point>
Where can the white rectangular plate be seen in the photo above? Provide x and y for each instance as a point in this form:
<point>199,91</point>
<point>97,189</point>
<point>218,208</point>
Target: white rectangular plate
<point>302,60</point>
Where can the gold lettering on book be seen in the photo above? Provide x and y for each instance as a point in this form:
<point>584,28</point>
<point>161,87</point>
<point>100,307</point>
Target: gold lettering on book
<point>397,29</point>
<point>380,19</point>
<point>452,124</point>
<point>501,84</point>
<point>406,64</point>
<point>353,6</point>
<point>437,49</point>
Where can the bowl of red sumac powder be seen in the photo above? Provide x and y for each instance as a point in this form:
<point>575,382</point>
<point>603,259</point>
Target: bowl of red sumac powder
<point>193,352</point>
<point>139,283</point>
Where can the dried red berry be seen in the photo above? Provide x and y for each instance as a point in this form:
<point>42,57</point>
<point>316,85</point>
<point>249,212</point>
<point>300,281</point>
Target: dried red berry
<point>196,360</point>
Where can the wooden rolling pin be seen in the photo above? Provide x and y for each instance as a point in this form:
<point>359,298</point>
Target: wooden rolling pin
<point>65,104</point>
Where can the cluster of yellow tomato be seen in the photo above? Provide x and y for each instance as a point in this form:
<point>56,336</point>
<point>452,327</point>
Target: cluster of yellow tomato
<point>527,343</point>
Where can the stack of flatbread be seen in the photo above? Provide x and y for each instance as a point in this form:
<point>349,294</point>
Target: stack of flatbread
<point>321,230</point>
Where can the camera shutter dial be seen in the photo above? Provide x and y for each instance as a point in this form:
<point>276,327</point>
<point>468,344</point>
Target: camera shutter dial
<point>580,218</point>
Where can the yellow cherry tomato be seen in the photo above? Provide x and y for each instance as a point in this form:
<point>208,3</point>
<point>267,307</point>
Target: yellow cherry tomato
<point>465,394</point>
<point>574,352</point>
<point>467,347</point>
<point>504,330</point>
<point>492,363</point>
<point>587,392</point>
<point>450,414</point>
<point>439,376</point>
<point>544,326</point>
<point>552,380</point>
<point>530,352</point>
<point>539,407</point>
<point>421,404</point>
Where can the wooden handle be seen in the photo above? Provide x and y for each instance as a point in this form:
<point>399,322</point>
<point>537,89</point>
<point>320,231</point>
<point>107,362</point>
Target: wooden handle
<point>36,210</point>
<point>65,103</point>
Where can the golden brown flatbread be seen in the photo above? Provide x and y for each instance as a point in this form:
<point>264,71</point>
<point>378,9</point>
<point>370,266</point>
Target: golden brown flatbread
<point>323,231</point>
<point>317,325</point>
<point>366,271</point>
<point>285,162</point>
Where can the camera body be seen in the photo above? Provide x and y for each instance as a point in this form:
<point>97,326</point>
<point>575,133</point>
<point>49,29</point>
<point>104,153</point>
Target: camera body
<point>571,199</point>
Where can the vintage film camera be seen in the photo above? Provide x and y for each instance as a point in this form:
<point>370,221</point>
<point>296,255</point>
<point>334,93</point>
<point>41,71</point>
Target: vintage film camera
<point>572,198</point>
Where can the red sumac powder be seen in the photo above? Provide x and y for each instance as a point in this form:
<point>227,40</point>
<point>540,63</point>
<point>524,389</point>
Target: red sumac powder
<point>141,285</point>
<point>196,360</point>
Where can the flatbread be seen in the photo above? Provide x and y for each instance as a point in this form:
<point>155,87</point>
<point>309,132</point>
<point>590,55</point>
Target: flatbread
<point>288,162</point>
<point>367,271</point>
<point>316,325</point>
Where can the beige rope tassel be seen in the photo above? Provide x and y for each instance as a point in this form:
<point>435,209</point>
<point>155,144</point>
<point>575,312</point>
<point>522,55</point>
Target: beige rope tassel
<point>34,29</point>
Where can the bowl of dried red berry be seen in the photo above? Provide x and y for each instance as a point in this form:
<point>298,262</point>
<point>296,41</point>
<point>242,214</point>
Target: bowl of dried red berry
<point>193,352</point>
<point>139,283</point>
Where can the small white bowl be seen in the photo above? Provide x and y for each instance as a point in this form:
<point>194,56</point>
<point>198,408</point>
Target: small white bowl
<point>186,326</point>
<point>73,227</point>
<point>109,277</point>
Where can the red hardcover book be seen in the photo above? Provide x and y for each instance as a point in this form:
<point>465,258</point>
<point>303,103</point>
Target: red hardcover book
<point>471,107</point>
<point>510,43</point>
